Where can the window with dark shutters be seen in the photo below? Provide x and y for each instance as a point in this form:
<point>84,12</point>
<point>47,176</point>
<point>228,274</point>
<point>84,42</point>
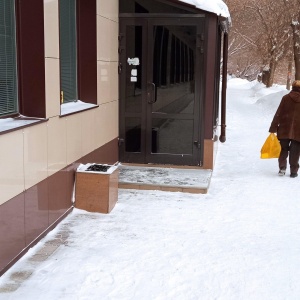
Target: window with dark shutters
<point>68,53</point>
<point>8,68</point>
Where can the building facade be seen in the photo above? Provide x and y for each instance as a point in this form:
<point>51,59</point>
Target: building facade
<point>42,147</point>
<point>98,81</point>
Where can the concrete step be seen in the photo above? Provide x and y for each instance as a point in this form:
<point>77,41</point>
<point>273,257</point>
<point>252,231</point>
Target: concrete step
<point>171,179</point>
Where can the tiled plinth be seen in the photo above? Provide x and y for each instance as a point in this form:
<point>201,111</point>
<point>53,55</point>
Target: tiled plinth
<point>96,192</point>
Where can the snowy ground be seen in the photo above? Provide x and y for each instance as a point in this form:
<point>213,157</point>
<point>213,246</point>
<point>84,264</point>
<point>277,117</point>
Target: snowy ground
<point>240,241</point>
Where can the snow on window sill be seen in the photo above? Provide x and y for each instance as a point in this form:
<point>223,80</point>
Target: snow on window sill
<point>12,124</point>
<point>75,107</point>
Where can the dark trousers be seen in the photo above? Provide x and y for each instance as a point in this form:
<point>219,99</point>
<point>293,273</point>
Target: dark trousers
<point>289,149</point>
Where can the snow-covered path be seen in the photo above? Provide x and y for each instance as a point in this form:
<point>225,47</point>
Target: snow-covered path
<point>239,241</point>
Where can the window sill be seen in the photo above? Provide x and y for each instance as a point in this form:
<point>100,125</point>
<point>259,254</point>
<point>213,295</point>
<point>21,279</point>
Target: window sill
<point>12,124</point>
<point>75,107</point>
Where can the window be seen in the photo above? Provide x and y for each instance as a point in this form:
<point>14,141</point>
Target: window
<point>8,68</point>
<point>68,50</point>
<point>78,51</point>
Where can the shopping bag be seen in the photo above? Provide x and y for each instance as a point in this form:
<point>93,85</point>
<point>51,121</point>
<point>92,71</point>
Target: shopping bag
<point>271,148</point>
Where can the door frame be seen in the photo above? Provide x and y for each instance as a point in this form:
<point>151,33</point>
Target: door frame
<point>147,22</point>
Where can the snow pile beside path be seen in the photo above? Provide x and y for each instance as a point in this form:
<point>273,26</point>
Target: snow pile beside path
<point>270,102</point>
<point>258,87</point>
<point>240,83</point>
<point>267,98</point>
<point>261,90</point>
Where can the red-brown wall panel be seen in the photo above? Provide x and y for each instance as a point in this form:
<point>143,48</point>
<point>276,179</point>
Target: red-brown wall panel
<point>87,50</point>
<point>31,57</point>
<point>210,62</point>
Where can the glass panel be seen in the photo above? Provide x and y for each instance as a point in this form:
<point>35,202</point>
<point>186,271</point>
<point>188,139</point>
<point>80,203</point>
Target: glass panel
<point>172,136</point>
<point>134,42</point>
<point>8,72</point>
<point>173,61</point>
<point>133,135</point>
<point>173,56</point>
<point>177,62</point>
<point>68,55</point>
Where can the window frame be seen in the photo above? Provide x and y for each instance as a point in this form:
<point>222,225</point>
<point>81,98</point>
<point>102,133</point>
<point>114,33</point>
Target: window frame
<point>13,100</point>
<point>30,62</point>
<point>86,33</point>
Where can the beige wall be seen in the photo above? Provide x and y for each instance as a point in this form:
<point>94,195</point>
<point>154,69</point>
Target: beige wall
<point>30,155</point>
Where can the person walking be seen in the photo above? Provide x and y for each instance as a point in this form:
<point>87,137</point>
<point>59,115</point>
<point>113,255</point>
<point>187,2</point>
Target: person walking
<point>286,123</point>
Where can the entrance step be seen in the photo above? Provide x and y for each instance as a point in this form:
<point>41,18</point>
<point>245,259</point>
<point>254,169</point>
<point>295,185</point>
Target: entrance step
<point>164,178</point>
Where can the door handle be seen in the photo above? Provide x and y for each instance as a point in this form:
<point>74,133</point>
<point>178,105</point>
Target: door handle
<point>153,93</point>
<point>197,144</point>
<point>120,67</point>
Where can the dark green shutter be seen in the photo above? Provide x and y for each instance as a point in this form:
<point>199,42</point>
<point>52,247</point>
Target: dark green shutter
<point>68,55</point>
<point>8,72</point>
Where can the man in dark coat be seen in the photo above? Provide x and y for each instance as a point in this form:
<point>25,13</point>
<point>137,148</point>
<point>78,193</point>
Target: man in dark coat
<point>286,123</point>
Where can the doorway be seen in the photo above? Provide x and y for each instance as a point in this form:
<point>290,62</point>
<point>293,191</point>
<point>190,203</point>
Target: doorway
<point>160,69</point>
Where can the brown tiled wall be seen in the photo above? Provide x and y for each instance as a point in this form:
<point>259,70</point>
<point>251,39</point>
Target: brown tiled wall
<point>87,50</point>
<point>25,217</point>
<point>209,154</point>
<point>12,230</point>
<point>31,61</point>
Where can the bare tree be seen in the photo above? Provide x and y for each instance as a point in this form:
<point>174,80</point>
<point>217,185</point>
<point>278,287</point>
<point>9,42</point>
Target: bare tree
<point>260,37</point>
<point>243,60</point>
<point>296,45</point>
<point>293,14</point>
<point>273,34</point>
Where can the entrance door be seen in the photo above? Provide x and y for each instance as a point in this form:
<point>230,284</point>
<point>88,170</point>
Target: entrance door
<point>160,84</point>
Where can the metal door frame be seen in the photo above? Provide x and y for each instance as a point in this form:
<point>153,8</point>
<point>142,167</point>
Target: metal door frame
<point>147,22</point>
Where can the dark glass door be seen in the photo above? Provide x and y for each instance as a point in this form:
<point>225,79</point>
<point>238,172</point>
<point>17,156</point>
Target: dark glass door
<point>160,83</point>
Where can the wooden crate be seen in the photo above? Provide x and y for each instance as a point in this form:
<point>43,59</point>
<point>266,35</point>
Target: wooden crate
<point>96,192</point>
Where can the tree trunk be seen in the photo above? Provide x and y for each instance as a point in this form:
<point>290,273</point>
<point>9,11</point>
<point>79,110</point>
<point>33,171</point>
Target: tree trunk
<point>289,73</point>
<point>290,64</point>
<point>296,46</point>
<point>273,65</point>
<point>268,74</point>
<point>265,76</point>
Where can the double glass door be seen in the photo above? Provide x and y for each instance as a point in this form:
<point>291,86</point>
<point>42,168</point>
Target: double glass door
<point>160,90</point>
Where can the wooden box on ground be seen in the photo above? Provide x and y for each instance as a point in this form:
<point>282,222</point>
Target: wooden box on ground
<point>96,191</point>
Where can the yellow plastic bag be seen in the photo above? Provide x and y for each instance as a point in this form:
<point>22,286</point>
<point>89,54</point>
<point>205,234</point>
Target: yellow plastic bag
<point>271,148</point>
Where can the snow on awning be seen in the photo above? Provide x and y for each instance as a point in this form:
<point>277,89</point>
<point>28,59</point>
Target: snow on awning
<point>217,7</point>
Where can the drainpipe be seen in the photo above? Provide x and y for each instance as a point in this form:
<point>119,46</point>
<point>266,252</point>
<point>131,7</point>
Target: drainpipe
<point>222,137</point>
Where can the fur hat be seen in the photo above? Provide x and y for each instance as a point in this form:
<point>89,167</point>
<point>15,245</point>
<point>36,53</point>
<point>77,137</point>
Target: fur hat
<point>296,83</point>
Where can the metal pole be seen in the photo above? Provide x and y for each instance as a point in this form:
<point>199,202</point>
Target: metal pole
<point>224,88</point>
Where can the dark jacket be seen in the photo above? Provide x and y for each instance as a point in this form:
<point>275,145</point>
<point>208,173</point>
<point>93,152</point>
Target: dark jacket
<point>286,121</point>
